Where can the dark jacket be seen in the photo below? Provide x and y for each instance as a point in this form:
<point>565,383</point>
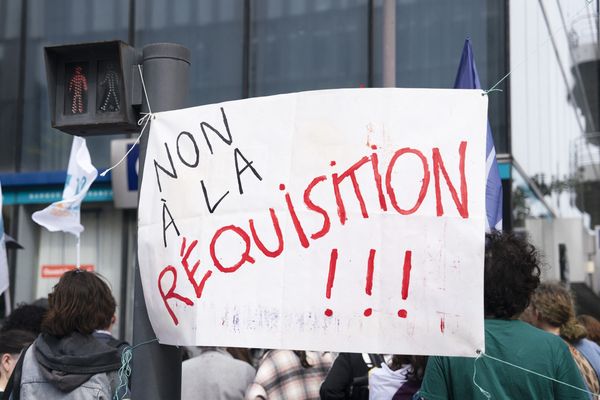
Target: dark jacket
<point>72,367</point>
<point>347,379</point>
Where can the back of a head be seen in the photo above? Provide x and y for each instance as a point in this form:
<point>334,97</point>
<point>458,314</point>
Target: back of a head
<point>15,340</point>
<point>26,317</point>
<point>553,305</point>
<point>512,273</point>
<point>592,326</point>
<point>80,302</point>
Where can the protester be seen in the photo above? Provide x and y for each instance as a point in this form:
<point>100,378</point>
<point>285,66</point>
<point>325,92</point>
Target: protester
<point>348,377</point>
<point>511,274</point>
<point>287,374</point>
<point>217,375</point>
<point>66,361</point>
<point>552,310</point>
<point>12,342</point>
<point>399,379</point>
<point>105,336</point>
<point>26,317</point>
<point>592,326</point>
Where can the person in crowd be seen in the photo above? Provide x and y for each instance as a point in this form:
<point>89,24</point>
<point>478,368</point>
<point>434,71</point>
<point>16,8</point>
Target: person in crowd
<point>348,377</point>
<point>592,326</point>
<point>511,274</point>
<point>27,317</point>
<point>399,379</point>
<point>12,343</point>
<point>66,361</point>
<point>552,309</point>
<point>105,336</point>
<point>217,374</point>
<point>287,374</point>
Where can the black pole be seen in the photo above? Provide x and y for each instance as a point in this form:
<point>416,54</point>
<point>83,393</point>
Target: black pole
<point>157,368</point>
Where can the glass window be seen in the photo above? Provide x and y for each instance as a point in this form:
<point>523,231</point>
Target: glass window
<point>212,30</point>
<point>305,44</point>
<point>54,23</point>
<point>429,39</point>
<point>10,16</point>
<point>528,203</point>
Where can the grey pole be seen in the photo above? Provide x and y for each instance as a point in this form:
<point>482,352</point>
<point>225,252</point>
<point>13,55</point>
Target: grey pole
<point>389,43</point>
<point>156,369</point>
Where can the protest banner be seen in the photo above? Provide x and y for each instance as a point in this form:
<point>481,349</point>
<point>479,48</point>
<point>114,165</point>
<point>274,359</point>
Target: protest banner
<point>342,220</point>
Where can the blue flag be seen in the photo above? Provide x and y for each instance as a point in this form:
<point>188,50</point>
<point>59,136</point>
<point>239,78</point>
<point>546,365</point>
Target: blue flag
<point>468,78</point>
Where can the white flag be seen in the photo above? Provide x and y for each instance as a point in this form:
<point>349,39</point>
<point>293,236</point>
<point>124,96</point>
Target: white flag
<point>64,215</point>
<point>3,260</point>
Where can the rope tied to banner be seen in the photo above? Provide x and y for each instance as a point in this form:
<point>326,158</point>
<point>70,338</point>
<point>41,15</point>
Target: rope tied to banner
<point>125,370</point>
<point>143,122</point>
<point>481,354</point>
<point>532,53</point>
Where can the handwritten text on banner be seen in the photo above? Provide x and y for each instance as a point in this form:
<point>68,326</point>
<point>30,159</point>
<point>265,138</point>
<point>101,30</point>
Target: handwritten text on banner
<point>343,220</point>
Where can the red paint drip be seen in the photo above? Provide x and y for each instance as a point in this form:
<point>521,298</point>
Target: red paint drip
<point>442,325</point>
<point>369,283</point>
<point>405,280</point>
<point>330,278</point>
<point>182,248</point>
<point>370,268</point>
<point>406,274</point>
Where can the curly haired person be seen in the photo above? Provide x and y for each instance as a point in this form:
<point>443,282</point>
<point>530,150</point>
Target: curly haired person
<point>511,275</point>
<point>553,310</point>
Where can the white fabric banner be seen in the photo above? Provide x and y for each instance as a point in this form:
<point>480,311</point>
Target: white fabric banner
<point>343,220</point>
<point>65,215</point>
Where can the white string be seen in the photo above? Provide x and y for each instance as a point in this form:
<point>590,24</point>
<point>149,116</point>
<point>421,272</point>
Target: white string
<point>78,247</point>
<point>142,121</point>
<point>482,354</point>
<point>484,392</point>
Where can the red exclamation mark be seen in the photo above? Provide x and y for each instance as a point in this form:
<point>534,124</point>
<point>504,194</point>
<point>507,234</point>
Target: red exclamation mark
<point>369,285</point>
<point>330,278</point>
<point>402,313</point>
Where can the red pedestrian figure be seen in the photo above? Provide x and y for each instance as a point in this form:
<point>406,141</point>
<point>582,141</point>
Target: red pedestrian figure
<point>77,85</point>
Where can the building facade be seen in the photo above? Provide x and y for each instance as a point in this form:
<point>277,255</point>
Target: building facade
<point>241,49</point>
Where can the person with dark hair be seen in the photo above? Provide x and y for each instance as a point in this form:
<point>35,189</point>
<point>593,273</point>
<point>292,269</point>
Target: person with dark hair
<point>511,274</point>
<point>348,377</point>
<point>27,317</point>
<point>592,326</point>
<point>12,343</point>
<point>287,374</point>
<point>105,336</point>
<point>66,361</point>
<point>553,310</point>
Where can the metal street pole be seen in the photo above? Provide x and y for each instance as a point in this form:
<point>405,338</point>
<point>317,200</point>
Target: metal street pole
<point>157,368</point>
<point>389,43</point>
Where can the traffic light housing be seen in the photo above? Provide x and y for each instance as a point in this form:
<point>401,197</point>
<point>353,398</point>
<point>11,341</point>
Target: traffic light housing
<point>91,87</point>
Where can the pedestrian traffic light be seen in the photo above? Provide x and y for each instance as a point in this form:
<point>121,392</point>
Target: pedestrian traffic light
<point>91,87</point>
